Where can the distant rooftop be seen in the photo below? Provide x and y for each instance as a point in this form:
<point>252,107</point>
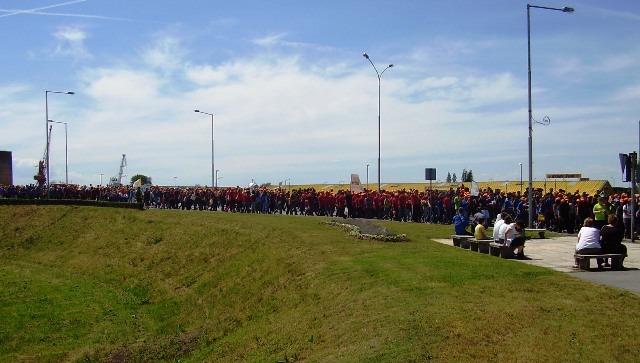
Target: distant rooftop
<point>508,186</point>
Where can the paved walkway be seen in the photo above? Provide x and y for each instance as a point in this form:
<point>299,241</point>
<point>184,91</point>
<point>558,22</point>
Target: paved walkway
<point>557,253</point>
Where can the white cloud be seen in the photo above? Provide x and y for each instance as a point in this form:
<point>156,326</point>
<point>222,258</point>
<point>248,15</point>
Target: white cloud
<point>278,40</point>
<point>166,54</point>
<point>71,43</point>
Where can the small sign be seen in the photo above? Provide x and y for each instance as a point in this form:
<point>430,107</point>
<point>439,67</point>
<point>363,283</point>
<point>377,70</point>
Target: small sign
<point>623,161</point>
<point>430,174</point>
<point>564,176</point>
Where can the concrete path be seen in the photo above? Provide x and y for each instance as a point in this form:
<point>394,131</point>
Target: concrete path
<point>557,253</point>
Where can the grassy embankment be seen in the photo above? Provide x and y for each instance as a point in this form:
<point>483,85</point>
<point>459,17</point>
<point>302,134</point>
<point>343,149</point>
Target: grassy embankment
<point>99,284</point>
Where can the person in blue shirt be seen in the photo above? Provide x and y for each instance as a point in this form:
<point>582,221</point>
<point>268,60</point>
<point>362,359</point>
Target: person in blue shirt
<point>460,224</point>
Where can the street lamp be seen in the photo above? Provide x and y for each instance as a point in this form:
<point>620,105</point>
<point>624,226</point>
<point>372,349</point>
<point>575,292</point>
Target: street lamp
<point>367,176</point>
<point>565,9</point>
<point>175,181</point>
<point>379,74</point>
<point>46,126</point>
<point>101,174</point>
<point>520,179</point>
<point>212,162</point>
<point>66,150</point>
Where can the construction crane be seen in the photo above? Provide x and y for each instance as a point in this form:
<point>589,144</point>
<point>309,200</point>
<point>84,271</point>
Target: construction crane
<point>41,177</point>
<point>116,181</point>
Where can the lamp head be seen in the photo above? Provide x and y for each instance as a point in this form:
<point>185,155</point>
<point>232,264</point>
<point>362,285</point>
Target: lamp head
<point>71,93</point>
<point>365,55</point>
<point>568,9</point>
<point>390,65</point>
<point>196,110</point>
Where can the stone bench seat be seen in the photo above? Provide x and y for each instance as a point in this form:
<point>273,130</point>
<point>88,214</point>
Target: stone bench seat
<point>584,261</point>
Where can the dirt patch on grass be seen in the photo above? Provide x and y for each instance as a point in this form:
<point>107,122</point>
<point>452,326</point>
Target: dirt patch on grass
<point>173,349</point>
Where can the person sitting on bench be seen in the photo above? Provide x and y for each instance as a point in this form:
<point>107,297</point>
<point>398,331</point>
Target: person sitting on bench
<point>496,227</point>
<point>460,224</point>
<point>611,239</point>
<point>511,239</point>
<point>588,241</point>
<point>481,232</point>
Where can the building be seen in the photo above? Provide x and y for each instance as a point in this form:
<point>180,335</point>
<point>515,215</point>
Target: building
<point>6,169</point>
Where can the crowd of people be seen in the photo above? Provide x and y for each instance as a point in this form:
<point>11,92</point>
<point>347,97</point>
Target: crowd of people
<point>558,211</point>
<point>603,220</point>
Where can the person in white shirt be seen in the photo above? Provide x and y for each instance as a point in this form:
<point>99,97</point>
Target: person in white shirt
<point>512,240</point>
<point>503,229</point>
<point>588,241</point>
<point>497,225</point>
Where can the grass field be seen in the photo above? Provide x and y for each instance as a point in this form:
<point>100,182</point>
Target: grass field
<point>98,284</point>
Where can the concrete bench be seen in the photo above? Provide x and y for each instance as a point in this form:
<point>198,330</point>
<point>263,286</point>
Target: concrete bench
<point>500,250</point>
<point>540,231</point>
<point>584,261</point>
<point>461,240</point>
<point>473,245</point>
<point>481,246</point>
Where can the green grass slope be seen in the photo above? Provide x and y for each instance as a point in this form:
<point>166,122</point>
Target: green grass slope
<point>86,284</point>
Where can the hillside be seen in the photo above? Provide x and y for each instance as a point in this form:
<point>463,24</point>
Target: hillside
<point>98,284</point>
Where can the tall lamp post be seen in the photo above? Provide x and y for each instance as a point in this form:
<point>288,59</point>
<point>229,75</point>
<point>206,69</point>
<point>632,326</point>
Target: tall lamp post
<point>213,180</point>
<point>379,74</point>
<point>520,179</point>
<point>46,126</point>
<point>367,176</point>
<point>565,9</point>
<point>66,150</point>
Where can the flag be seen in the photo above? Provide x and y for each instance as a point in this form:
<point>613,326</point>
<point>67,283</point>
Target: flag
<point>137,183</point>
<point>475,189</point>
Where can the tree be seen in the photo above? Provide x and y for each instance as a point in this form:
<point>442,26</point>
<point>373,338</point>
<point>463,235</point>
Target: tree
<point>467,176</point>
<point>449,177</point>
<point>454,178</point>
<point>145,179</point>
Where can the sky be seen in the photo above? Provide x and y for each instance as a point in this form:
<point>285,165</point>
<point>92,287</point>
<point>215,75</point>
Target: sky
<point>294,99</point>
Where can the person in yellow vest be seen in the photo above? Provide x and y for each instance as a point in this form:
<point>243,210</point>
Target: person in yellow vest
<point>600,212</point>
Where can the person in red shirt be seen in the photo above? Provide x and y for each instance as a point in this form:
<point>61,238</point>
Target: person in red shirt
<point>416,207</point>
<point>402,206</point>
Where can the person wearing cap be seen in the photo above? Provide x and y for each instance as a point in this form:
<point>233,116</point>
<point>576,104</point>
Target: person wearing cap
<point>600,212</point>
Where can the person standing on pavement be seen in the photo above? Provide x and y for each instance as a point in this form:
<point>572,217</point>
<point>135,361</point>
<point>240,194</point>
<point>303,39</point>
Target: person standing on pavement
<point>600,212</point>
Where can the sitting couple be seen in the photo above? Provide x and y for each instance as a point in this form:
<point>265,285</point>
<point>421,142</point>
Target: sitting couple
<point>593,241</point>
<point>510,233</point>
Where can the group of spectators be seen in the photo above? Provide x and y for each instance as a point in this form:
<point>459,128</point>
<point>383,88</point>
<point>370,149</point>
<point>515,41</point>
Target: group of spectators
<point>558,211</point>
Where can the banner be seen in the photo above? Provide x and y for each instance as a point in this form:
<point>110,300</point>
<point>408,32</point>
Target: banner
<point>356,186</point>
<point>475,189</point>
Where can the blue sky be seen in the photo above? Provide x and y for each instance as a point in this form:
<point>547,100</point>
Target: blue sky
<point>295,100</point>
